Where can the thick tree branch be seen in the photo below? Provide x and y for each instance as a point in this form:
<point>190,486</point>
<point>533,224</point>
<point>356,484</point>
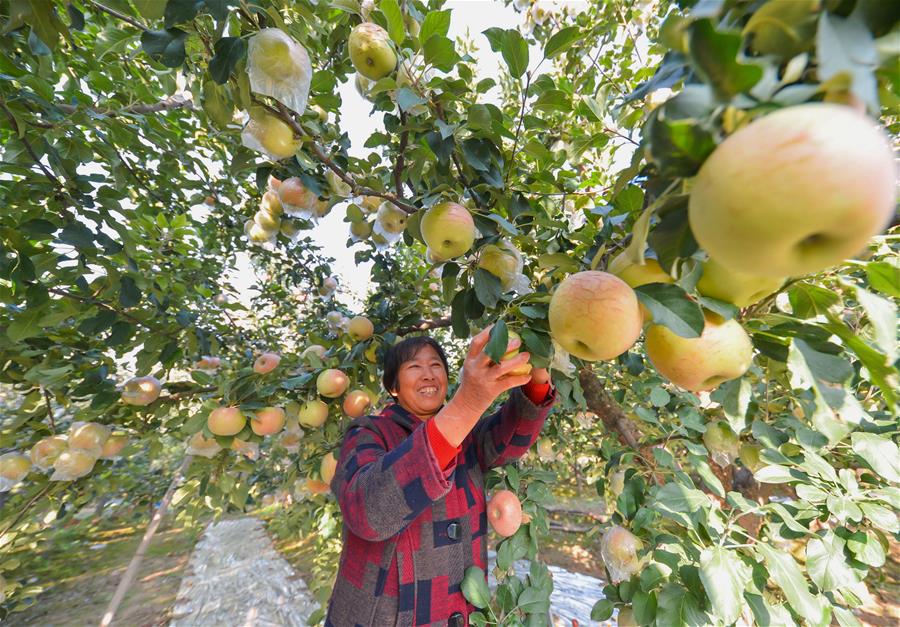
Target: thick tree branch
<point>605,406</point>
<point>169,104</point>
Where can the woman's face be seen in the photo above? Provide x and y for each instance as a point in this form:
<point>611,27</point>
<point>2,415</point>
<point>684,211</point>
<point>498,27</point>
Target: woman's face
<point>422,383</point>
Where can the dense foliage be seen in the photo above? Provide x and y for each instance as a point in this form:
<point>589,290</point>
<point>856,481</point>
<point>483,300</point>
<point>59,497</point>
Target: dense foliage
<point>133,205</point>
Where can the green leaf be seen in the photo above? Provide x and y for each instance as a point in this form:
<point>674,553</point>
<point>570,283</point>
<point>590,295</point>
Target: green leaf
<point>884,277</point>
<point>714,56</point>
<point>394,16</point>
<point>644,605</point>
<point>229,52</point>
<point>150,9</point>
<point>534,601</point>
<point>679,499</point>
<point>219,8</point>
<point>724,577</point>
<point>880,453</point>
<point>487,288</point>
<point>788,576</point>
<point>826,564</point>
<point>165,46</point>
<point>867,548</point>
<point>458,315</point>
<point>511,46</point>
<point>881,517</point>
<point>677,606</point>
<point>407,99</point>
<point>882,315</point>
<point>561,41</point>
<point>774,474</point>
<point>129,294</point>
<point>672,308</point>
<point>25,325</point>
<point>602,610</point>
<point>475,588</point>
<point>497,342</point>
<point>769,614</point>
<point>181,11</point>
<point>440,52</point>
<point>808,300</point>
<point>734,396</point>
<point>435,23</point>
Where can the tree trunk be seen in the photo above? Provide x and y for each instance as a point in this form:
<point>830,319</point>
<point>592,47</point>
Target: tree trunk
<point>132,569</point>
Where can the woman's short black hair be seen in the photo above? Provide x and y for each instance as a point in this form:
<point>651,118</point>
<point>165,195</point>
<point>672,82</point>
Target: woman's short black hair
<point>404,351</point>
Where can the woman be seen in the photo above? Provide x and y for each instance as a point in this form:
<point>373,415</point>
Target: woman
<point>410,483</point>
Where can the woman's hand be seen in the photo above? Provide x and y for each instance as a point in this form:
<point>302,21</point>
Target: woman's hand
<point>482,380</point>
<point>540,376</point>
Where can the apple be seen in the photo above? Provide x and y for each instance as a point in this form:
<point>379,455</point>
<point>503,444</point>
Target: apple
<point>617,483</point>
<point>267,421</point>
<point>370,204</point>
<point>448,229</point>
<point>722,443</point>
<point>73,464</point>
<point>46,450</point>
<point>721,353</point>
<point>291,440</point>
<point>619,549</point>
<point>322,207</point>
<point>289,228</point>
<point>501,262</point>
<point>329,285</point>
<point>327,468</point>
<point>266,221</point>
<point>639,274</point>
<point>226,421</point>
<point>210,201</point>
<point>295,197</point>
<point>371,52</point>
<point>545,450</point>
<point>504,512</point>
<point>13,468</point>
<point>250,450</point>
<point>317,487</point>
<point>266,363</point>
<point>738,288</point>
<point>391,218</point>
<point>256,233</point>
<point>114,446</point>
<point>208,363</point>
<point>270,134</point>
<point>360,328</point>
<point>314,349</point>
<point>625,618</point>
<point>271,202</point>
<point>594,315</point>
<point>202,446</point>
<point>331,383</point>
<point>521,370</point>
<point>361,229</point>
<point>313,413</point>
<point>356,403</point>
<point>141,390</point>
<point>794,192</point>
<point>88,436</point>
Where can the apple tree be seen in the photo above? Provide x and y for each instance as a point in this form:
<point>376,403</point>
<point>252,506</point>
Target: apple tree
<point>685,209</point>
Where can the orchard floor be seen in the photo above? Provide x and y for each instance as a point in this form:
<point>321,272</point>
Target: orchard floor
<point>99,556</point>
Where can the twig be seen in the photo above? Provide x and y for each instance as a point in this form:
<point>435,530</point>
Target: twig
<point>49,409</point>
<point>25,509</point>
<point>398,167</point>
<point>512,159</point>
<point>34,156</point>
<point>169,104</point>
<point>618,134</point>
<point>116,14</point>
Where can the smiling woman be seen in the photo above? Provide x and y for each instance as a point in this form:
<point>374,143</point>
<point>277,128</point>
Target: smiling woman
<point>410,483</point>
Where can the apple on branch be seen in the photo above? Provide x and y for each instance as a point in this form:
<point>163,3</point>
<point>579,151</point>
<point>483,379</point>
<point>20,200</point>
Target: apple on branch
<point>448,230</point>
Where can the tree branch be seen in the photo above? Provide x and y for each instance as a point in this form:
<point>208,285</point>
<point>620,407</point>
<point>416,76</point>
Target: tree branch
<point>28,147</point>
<point>116,14</point>
<point>425,325</point>
<point>601,403</point>
<point>49,409</point>
<point>285,114</point>
<point>169,104</point>
<point>398,167</point>
<point>512,159</point>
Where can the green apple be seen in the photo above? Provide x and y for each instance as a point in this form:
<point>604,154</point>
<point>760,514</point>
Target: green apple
<point>360,328</point>
<point>721,353</point>
<point>371,51</point>
<point>722,443</point>
<point>361,229</point>
<point>501,262</point>
<point>13,468</point>
<point>619,549</point>
<point>637,274</point>
<point>46,450</point>
<point>448,229</point>
<point>313,413</point>
<point>594,315</point>
<point>226,421</point>
<point>737,288</point>
<point>794,192</point>
<point>391,218</point>
<point>521,370</point>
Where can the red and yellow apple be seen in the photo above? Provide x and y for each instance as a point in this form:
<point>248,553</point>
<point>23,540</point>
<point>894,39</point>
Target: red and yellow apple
<point>594,315</point>
<point>794,192</point>
<point>504,512</point>
<point>266,363</point>
<point>46,450</point>
<point>331,383</point>
<point>73,464</point>
<point>141,390</point>
<point>721,353</point>
<point>619,549</point>
<point>356,403</point>
<point>313,413</point>
<point>267,421</point>
<point>226,421</point>
<point>327,468</point>
<point>14,467</point>
<point>113,446</point>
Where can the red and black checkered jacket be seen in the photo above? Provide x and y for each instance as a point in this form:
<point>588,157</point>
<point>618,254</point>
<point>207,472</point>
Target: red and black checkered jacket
<point>412,529</point>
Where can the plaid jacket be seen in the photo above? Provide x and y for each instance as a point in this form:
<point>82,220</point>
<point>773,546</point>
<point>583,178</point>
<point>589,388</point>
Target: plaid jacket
<point>410,529</point>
